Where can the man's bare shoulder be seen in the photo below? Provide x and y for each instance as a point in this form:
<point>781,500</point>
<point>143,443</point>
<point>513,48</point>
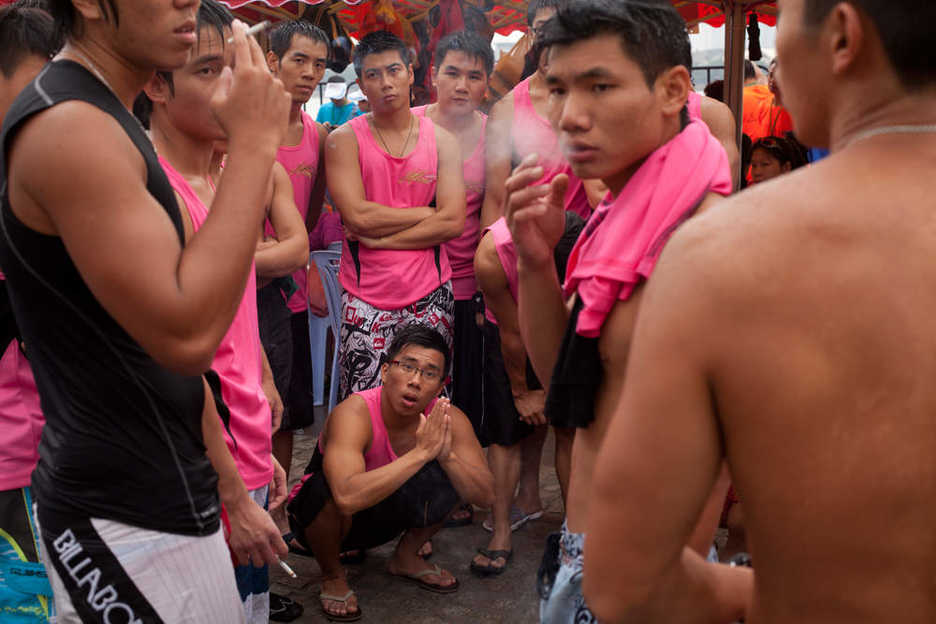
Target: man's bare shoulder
<point>349,421</point>
<point>341,136</point>
<point>59,139</point>
<point>502,111</point>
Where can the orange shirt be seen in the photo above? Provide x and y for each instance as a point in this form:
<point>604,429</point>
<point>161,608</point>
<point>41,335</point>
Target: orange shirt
<point>761,116</point>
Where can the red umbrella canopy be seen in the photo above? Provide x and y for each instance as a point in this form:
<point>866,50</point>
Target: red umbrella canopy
<point>712,12</point>
<point>505,17</point>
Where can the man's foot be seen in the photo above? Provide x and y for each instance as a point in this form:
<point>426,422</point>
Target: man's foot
<point>463,515</point>
<point>518,518</point>
<point>425,551</point>
<point>490,562</point>
<point>283,609</point>
<point>429,577</point>
<point>339,602</point>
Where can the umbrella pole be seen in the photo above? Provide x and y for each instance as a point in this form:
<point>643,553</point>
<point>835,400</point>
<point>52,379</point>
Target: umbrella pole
<point>734,59</point>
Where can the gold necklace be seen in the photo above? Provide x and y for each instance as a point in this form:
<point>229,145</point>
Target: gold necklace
<point>383,141</point>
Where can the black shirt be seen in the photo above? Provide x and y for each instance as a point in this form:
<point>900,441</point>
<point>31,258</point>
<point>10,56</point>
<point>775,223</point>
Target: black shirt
<point>123,438</point>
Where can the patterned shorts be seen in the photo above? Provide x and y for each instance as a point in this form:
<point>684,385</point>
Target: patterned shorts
<point>366,334</point>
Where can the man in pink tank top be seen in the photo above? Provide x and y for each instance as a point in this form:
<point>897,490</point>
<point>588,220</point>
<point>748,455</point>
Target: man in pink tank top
<point>184,133</point>
<point>397,180</point>
<point>28,42</point>
<point>298,55</point>
<point>519,125</point>
<point>463,63</point>
<point>393,459</point>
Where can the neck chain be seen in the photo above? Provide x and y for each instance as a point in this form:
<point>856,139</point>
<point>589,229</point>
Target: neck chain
<point>405,143</point>
<point>97,73</point>
<point>900,129</point>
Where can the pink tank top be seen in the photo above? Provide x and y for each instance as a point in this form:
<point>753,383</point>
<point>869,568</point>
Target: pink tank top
<point>507,254</point>
<point>239,365</point>
<point>380,452</point>
<point>393,279</point>
<point>301,163</point>
<point>531,133</point>
<point>461,250</point>
<point>21,420</point>
<point>695,106</point>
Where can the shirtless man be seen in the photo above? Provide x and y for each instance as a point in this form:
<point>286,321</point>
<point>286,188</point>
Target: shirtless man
<point>397,180</point>
<point>122,318</point>
<point>185,133</point>
<point>619,83</point>
<point>384,467</point>
<point>774,334</point>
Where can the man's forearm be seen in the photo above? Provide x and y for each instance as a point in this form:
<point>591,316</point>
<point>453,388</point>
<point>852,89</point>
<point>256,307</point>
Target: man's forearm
<point>543,317</point>
<point>375,220</point>
<point>474,484</point>
<point>369,488</point>
<point>515,360</point>
<point>690,590</point>
<point>430,232</point>
<point>231,488</point>
<point>282,258</point>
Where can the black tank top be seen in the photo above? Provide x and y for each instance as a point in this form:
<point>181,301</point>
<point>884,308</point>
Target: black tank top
<point>123,438</point>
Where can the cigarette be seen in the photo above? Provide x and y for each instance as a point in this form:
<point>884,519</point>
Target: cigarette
<point>254,30</point>
<point>286,568</point>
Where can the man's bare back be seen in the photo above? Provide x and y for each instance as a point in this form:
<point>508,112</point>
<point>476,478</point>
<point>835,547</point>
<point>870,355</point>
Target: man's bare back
<point>825,391</point>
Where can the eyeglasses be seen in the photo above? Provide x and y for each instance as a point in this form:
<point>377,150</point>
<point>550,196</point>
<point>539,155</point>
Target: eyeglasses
<point>409,369</point>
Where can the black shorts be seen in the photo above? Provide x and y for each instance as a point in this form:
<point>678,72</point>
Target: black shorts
<point>500,421</point>
<point>276,334</point>
<point>424,500</point>
<point>299,402</point>
<point>468,359</point>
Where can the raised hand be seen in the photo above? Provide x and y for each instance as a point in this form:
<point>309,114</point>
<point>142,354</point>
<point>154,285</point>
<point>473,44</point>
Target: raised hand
<point>535,212</point>
<point>250,104</point>
<point>432,430</point>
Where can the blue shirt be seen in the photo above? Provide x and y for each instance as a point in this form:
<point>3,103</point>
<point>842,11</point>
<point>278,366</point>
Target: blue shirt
<point>334,115</point>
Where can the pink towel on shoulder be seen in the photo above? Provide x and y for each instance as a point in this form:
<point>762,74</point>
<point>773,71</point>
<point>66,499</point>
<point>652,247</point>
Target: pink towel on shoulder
<point>624,237</point>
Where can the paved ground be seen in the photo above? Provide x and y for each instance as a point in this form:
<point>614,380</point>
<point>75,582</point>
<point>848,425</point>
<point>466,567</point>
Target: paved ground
<point>510,597</point>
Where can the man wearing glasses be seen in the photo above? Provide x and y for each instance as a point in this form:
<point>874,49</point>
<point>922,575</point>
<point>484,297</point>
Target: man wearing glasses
<point>394,459</point>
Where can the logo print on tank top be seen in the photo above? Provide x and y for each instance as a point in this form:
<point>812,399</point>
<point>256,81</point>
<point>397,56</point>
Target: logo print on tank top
<point>419,176</point>
<point>303,169</point>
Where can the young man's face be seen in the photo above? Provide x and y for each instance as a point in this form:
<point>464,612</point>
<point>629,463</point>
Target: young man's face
<point>301,68</point>
<point>607,117</point>
<point>10,87</point>
<point>385,80</point>
<point>153,34</point>
<point>801,75</point>
<point>188,107</point>
<point>460,81</point>
<point>409,392</point>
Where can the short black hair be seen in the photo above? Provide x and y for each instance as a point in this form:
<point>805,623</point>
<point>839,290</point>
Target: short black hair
<point>778,147</point>
<point>66,18</point>
<point>378,42</point>
<point>471,43</point>
<point>337,78</point>
<point>25,31</point>
<point>536,6</point>
<point>749,71</point>
<point>282,35</point>
<point>652,32</point>
<point>905,28</point>
<point>211,14</point>
<point>422,336</point>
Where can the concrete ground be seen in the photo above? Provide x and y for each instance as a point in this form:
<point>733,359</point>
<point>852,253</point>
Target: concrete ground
<point>508,598</point>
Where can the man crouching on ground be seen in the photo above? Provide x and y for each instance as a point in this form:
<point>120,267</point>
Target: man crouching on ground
<point>382,467</point>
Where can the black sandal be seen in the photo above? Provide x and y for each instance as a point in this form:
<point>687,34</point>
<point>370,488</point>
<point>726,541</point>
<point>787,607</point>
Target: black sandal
<point>490,569</point>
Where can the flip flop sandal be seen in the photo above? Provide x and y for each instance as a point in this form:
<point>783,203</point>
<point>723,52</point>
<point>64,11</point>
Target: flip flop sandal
<point>437,589</point>
<point>491,570</point>
<point>283,609</point>
<point>466,520</point>
<point>295,547</point>
<point>333,617</point>
<point>517,519</point>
